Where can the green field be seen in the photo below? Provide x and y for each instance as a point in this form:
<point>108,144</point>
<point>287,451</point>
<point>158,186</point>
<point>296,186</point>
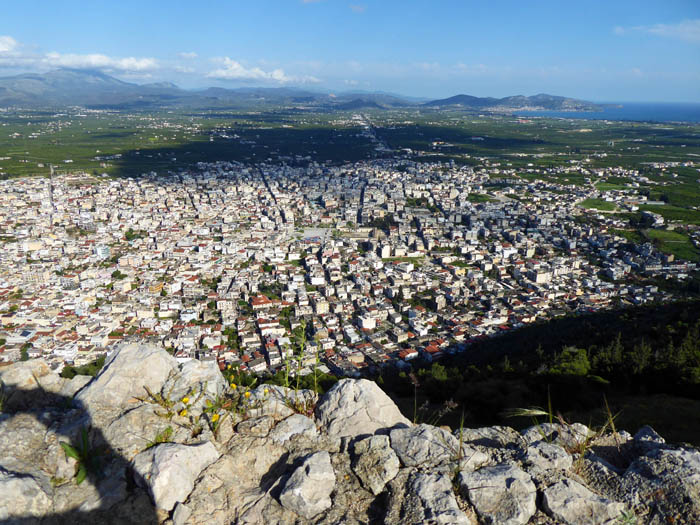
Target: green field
<point>633,236</point>
<point>605,186</point>
<point>675,213</point>
<point>675,243</point>
<point>479,197</point>
<point>597,204</point>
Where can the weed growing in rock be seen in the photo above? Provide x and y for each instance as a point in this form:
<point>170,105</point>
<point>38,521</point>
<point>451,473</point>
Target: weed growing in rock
<point>627,518</point>
<point>86,456</point>
<point>239,401</point>
<point>161,437</point>
<point>160,399</point>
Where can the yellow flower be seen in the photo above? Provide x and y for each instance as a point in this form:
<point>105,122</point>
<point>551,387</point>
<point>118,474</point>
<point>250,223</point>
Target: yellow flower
<point>233,385</point>
<point>183,412</point>
<point>247,395</point>
<point>229,367</point>
<point>214,418</point>
<point>265,391</point>
<point>185,399</point>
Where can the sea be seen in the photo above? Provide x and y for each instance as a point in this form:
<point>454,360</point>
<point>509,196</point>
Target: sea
<point>634,111</point>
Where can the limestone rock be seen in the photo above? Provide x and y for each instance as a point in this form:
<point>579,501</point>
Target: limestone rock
<point>307,491</point>
<point>426,446</point>
<point>294,425</point>
<point>136,429</point>
<point>669,480</point>
<point>375,463</point>
<point>21,496</point>
<point>543,456</point>
<point>124,375</point>
<point>257,426</point>
<point>31,384</point>
<point>170,470</point>
<point>647,439</point>
<point>501,494</point>
<point>423,445</point>
<point>181,514</point>
<point>492,437</point>
<point>357,407</point>
<point>199,381</point>
<point>570,502</point>
<point>426,498</point>
<point>280,402</point>
<point>567,436</point>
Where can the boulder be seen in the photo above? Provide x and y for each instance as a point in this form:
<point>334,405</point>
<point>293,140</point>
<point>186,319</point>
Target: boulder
<point>425,498</point>
<point>170,470</point>
<point>198,381</point>
<point>646,439</point>
<point>375,463</point>
<point>543,456</point>
<point>32,384</point>
<point>424,445</point>
<point>570,502</point>
<point>125,374</point>
<point>568,436</point>
<point>21,496</point>
<point>307,491</point>
<point>492,437</point>
<point>280,402</point>
<point>294,425</point>
<point>502,494</point>
<point>357,408</point>
<point>668,480</point>
<point>134,430</point>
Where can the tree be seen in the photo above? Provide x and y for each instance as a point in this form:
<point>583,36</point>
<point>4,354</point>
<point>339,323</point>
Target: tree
<point>571,361</point>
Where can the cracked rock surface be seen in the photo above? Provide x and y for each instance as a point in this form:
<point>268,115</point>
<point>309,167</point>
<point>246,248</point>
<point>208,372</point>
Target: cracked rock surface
<point>285,456</point>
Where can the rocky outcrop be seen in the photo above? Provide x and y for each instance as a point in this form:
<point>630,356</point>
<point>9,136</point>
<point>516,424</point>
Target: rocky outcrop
<point>357,407</point>
<point>308,490</point>
<point>162,442</point>
<point>169,471</point>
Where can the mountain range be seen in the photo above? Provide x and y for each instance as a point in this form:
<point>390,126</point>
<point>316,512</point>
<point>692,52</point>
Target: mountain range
<point>94,89</point>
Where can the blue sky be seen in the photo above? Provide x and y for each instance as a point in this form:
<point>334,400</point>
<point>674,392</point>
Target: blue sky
<point>616,50</point>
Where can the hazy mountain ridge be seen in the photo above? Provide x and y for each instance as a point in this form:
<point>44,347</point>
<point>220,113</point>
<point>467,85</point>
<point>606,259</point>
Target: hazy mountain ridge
<point>99,90</point>
<point>541,101</point>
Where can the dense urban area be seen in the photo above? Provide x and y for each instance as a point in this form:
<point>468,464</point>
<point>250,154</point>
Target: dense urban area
<point>347,268</point>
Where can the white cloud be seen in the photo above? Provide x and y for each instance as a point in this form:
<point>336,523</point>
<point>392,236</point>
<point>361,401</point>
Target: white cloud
<point>234,70</point>
<point>687,30</point>
<point>99,61</point>
<point>188,55</point>
<point>7,44</point>
<point>184,69</point>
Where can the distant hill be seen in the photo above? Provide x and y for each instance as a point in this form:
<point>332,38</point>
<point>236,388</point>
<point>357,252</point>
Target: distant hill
<point>94,89</point>
<point>537,102</point>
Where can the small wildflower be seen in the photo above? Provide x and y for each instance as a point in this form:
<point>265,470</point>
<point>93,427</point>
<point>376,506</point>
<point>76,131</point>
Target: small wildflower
<point>214,418</point>
<point>233,385</point>
<point>247,395</point>
<point>265,391</point>
<point>229,367</point>
<point>185,399</point>
<point>183,412</point>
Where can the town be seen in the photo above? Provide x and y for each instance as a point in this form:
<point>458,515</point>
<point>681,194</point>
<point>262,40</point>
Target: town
<point>346,269</point>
